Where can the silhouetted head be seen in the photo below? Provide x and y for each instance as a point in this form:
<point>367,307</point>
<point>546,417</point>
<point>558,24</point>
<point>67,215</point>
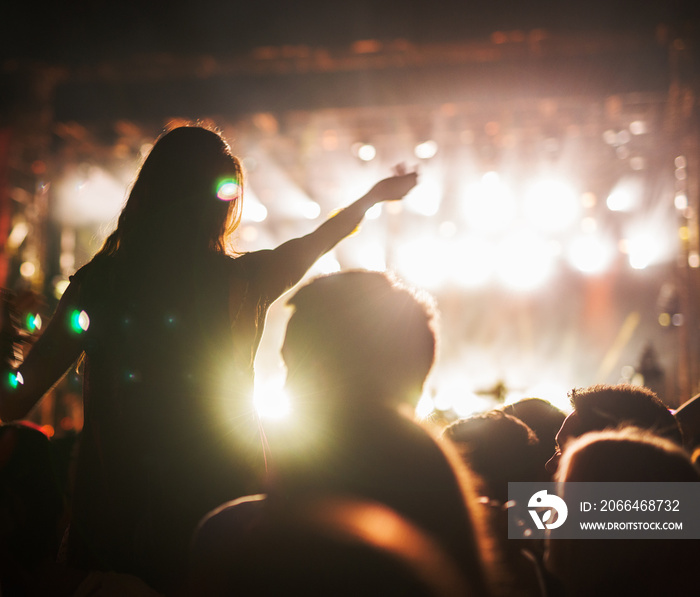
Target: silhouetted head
<point>614,406</point>
<point>187,196</point>
<point>626,455</point>
<point>630,566</point>
<point>499,448</point>
<point>359,335</point>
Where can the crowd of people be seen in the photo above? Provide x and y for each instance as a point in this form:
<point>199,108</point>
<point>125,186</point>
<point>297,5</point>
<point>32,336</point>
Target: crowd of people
<point>174,488</point>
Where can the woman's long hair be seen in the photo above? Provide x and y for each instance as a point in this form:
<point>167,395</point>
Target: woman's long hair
<point>186,197</point>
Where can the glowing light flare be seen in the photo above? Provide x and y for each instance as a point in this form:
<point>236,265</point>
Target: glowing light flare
<point>551,205</point>
<point>32,322</point>
<point>370,255</point>
<point>327,264</point>
<point>79,321</point>
<point>375,211</point>
<point>424,262</point>
<point>525,261</point>
<point>425,199</point>
<point>364,151</point>
<point>310,210</point>
<point>228,189</point>
<point>625,196</point>
<point>253,210</point>
<point>474,262</point>
<point>643,249</point>
<point>489,205</point>
<point>466,403</point>
<point>591,254</point>
<point>554,392</point>
<point>425,407</point>
<point>15,379</point>
<point>271,400</point>
<point>426,150</point>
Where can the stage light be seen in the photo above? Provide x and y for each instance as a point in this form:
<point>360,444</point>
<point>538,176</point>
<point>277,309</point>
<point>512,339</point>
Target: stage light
<point>626,194</point>
<point>311,210</point>
<point>681,201</point>
<point>473,262</point>
<point>370,255</point>
<point>326,264</point>
<point>364,151</point>
<point>253,210</point>
<point>426,150</point>
<point>524,261</point>
<point>551,205</point>
<point>642,249</point>
<point>489,205</point>
<point>425,199</point>
<point>423,262</point>
<point>590,254</point>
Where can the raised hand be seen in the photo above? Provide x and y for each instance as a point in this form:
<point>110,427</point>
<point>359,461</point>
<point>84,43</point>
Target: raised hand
<point>395,187</point>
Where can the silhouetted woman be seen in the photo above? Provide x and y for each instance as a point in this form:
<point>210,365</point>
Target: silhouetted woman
<point>169,323</point>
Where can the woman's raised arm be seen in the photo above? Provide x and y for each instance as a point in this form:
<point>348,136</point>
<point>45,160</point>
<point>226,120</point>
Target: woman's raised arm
<point>48,360</point>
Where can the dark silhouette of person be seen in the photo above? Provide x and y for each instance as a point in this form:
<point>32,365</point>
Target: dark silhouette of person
<point>613,567</point>
<point>613,406</point>
<point>168,321</point>
<point>544,419</point>
<point>499,448</point>
<point>328,546</point>
<point>358,347</point>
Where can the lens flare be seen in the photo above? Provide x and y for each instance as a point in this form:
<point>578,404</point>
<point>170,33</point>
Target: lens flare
<point>79,321</point>
<point>33,322</point>
<point>227,189</point>
<point>15,379</point>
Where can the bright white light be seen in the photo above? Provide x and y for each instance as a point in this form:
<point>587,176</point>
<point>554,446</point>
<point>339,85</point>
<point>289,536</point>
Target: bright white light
<point>253,210</point>
<point>473,262</point>
<point>423,262</point>
<point>371,255</point>
<point>327,264</point>
<point>626,194</point>
<point>271,399</point>
<point>641,251</point>
<point>425,199</point>
<point>524,261</point>
<point>681,201</point>
<point>311,210</point>
<point>366,152</point>
<point>374,212</point>
<point>553,392</point>
<point>425,407</point>
<point>551,205</point>
<point>466,404</point>
<point>590,254</point>
<point>426,150</point>
<point>620,200</point>
<point>489,205</point>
